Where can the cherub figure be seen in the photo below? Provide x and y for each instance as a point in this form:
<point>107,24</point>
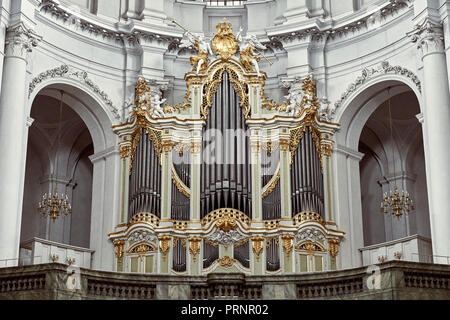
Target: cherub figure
<point>200,61</point>
<point>247,55</point>
<point>294,98</point>
<point>156,102</point>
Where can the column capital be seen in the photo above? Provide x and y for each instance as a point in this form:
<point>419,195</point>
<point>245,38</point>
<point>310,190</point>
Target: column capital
<point>20,41</point>
<point>428,36</point>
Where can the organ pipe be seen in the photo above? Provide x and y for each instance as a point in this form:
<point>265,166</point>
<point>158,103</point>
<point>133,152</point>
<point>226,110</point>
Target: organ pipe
<point>145,179</point>
<point>307,192</point>
<point>226,183</point>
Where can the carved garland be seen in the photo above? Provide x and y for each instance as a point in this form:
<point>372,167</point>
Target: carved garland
<point>370,73</point>
<point>65,71</point>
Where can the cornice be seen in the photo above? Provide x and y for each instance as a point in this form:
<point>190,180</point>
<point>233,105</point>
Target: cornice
<point>97,29</point>
<point>318,29</point>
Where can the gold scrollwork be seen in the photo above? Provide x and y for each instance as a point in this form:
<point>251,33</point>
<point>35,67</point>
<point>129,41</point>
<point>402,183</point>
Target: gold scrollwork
<point>226,223</point>
<point>268,189</point>
<point>185,190</point>
<point>226,262</point>
<point>211,86</point>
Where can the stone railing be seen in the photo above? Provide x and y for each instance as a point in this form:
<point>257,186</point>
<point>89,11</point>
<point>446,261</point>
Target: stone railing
<point>396,280</point>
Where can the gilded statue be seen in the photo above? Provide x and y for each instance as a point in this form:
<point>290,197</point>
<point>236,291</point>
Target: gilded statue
<point>200,61</point>
<point>247,55</point>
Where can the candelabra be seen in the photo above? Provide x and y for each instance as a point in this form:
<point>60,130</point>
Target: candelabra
<point>53,206</point>
<point>395,204</point>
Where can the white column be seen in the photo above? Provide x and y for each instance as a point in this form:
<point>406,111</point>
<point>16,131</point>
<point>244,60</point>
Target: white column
<point>105,214</point>
<point>13,131</point>
<point>429,38</point>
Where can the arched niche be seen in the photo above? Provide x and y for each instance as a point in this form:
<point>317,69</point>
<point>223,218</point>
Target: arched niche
<point>90,158</point>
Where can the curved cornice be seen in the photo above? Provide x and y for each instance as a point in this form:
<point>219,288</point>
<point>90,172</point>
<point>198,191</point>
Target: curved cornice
<point>319,29</point>
<point>118,33</point>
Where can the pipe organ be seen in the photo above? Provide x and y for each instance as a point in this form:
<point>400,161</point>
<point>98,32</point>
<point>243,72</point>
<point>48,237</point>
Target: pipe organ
<point>225,173</point>
<point>228,180</point>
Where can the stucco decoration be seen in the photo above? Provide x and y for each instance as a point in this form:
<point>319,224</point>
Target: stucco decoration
<point>142,235</point>
<point>66,71</point>
<point>225,238</point>
<point>310,234</point>
<point>370,73</point>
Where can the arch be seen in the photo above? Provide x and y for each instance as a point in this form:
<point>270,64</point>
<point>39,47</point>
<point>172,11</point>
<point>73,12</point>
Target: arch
<point>90,108</point>
<point>361,104</point>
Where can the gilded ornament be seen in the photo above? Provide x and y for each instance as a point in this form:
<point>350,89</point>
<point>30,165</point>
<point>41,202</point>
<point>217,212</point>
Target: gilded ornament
<point>226,223</point>
<point>309,246</point>
<point>141,248</point>
<point>179,184</point>
<point>257,246</point>
<point>226,262</point>
<point>194,247</point>
<point>119,247</point>
<point>287,243</point>
<point>125,151</point>
<point>164,244</point>
<point>224,43</point>
<point>334,247</point>
<point>268,189</point>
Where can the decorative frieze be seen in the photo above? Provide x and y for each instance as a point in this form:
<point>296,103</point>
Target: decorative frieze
<point>142,236</point>
<point>370,73</point>
<point>225,238</point>
<point>310,234</point>
<point>65,71</point>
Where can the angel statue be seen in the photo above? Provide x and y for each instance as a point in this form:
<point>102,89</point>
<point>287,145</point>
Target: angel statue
<point>156,102</point>
<point>200,61</point>
<point>247,56</point>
